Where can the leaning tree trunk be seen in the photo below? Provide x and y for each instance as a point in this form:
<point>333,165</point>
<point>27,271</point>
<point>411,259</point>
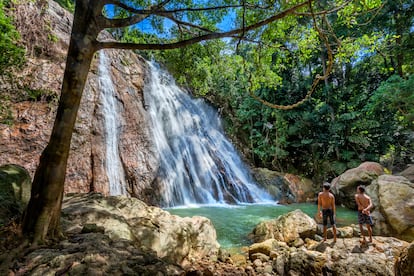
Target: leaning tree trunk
<point>42,216</point>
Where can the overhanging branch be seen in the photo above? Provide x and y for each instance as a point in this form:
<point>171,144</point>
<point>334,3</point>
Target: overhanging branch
<point>209,36</point>
<point>119,23</point>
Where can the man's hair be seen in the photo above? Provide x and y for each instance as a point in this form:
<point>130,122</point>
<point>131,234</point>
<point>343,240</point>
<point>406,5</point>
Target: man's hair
<point>326,186</point>
<point>361,188</point>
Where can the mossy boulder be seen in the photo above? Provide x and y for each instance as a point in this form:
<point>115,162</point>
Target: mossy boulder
<point>15,187</point>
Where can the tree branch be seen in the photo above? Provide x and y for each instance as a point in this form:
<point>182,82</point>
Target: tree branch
<point>138,16</point>
<point>158,10</point>
<point>183,23</point>
<point>162,4</point>
<point>213,35</point>
<point>118,23</point>
<point>325,11</point>
<point>137,11</point>
<point>219,8</point>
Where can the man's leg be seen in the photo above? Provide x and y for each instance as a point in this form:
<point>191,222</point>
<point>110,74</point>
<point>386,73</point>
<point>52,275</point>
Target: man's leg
<point>325,223</point>
<point>333,223</point>
<point>369,228</point>
<point>361,229</point>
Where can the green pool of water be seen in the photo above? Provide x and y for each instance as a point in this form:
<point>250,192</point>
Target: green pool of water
<point>234,223</point>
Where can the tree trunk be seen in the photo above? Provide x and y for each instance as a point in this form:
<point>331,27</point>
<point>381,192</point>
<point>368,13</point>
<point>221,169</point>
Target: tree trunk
<point>42,216</point>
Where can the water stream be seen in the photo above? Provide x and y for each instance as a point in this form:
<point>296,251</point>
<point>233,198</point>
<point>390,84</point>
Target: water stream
<point>113,165</point>
<point>199,165</point>
<point>234,223</point>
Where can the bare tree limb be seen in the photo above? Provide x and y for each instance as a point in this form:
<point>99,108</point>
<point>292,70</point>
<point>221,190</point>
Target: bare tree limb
<point>183,23</point>
<point>209,36</point>
<point>119,23</point>
<point>138,16</point>
<point>162,4</point>
<point>325,11</point>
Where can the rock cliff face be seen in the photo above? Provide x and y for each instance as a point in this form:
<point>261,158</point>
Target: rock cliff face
<point>23,141</point>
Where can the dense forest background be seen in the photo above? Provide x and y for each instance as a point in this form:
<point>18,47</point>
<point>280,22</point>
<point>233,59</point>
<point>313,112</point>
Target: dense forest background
<point>364,111</point>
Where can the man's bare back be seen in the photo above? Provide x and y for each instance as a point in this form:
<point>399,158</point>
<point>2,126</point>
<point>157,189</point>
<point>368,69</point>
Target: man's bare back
<point>363,201</point>
<point>327,200</point>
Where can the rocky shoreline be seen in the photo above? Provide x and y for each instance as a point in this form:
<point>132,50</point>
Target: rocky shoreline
<point>124,236</point>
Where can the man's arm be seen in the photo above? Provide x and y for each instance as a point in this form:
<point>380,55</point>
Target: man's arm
<point>369,204</point>
<point>333,205</point>
<point>319,204</point>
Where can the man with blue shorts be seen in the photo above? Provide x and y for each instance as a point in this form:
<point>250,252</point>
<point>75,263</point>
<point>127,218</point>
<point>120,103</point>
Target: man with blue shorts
<point>364,217</point>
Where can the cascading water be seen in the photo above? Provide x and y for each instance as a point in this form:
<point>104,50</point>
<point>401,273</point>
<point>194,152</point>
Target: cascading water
<point>113,165</point>
<point>198,163</point>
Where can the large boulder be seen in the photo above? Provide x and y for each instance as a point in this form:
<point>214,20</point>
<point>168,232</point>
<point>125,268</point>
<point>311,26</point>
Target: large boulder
<point>15,188</point>
<point>286,188</point>
<point>344,186</point>
<point>121,218</point>
<point>275,184</point>
<point>408,172</point>
<point>91,253</point>
<point>286,228</point>
<point>396,198</point>
<point>303,188</point>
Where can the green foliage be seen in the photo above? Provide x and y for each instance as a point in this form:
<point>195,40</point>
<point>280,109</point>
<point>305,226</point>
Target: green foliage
<point>38,95</point>
<point>396,94</point>
<point>69,5</point>
<point>6,116</point>
<point>11,54</point>
<point>394,98</point>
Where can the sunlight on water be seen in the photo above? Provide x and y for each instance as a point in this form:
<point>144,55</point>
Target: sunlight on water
<point>233,224</point>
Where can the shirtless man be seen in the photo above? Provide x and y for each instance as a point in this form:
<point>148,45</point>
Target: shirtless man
<point>364,205</point>
<point>326,209</point>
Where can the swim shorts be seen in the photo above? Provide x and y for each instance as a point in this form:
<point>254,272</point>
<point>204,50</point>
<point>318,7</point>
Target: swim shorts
<point>328,213</point>
<point>364,219</point>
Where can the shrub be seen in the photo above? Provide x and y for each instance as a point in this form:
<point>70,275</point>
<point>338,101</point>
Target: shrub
<point>11,53</point>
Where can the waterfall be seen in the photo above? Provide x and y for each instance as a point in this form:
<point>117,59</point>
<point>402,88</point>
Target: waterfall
<point>199,165</point>
<point>113,164</point>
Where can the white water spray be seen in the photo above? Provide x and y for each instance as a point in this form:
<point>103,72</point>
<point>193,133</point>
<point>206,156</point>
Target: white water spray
<point>113,164</point>
<point>198,163</point>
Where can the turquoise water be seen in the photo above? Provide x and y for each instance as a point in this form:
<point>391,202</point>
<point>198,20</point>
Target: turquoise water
<point>234,223</point>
